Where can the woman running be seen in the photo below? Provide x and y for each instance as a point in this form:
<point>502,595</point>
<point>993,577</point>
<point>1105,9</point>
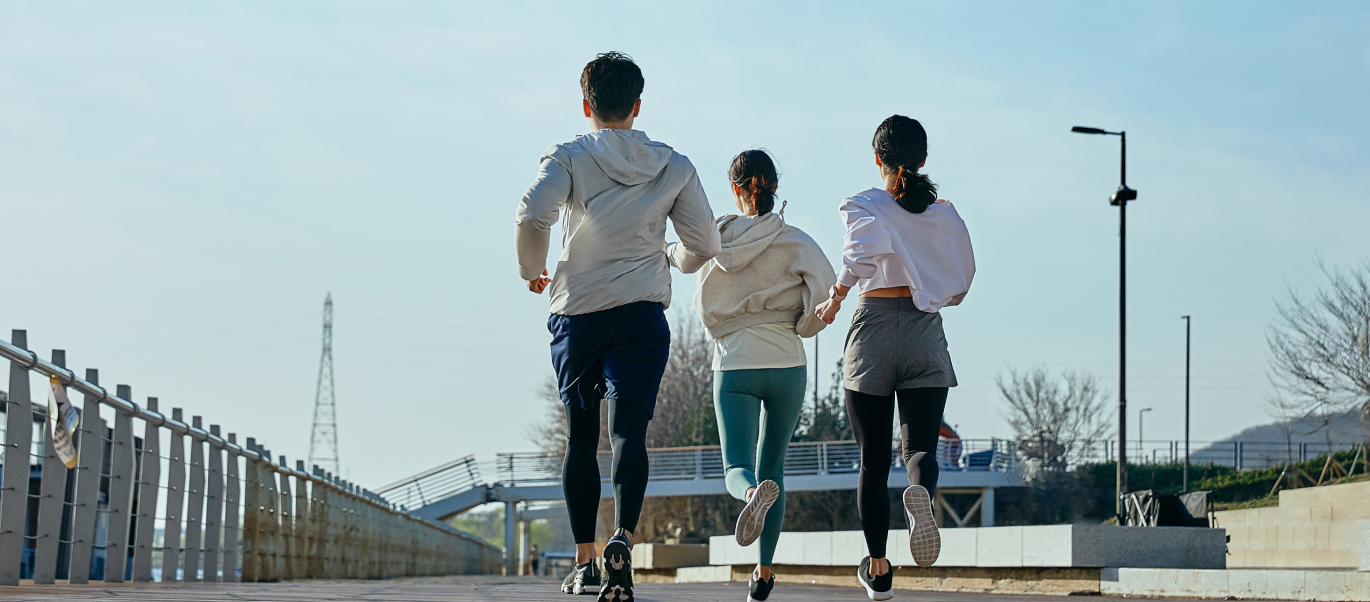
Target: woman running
<point>909,255</point>
<point>756,299</point>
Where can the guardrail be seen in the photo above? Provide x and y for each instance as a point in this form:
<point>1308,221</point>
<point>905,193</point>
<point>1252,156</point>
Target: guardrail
<point>810,458</point>
<point>435,484</point>
<point>1242,455</point>
<point>257,520</point>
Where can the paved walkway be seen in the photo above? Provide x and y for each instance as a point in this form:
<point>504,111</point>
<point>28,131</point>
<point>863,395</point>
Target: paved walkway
<point>455,589</point>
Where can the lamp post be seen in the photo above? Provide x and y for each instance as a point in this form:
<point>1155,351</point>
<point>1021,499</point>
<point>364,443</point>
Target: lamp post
<point>1185,487</point>
<point>1141,434</point>
<point>1120,199</point>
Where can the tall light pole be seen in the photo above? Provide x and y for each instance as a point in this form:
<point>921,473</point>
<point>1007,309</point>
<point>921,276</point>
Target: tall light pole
<point>1141,434</point>
<point>1120,199</point>
<point>1185,488</point>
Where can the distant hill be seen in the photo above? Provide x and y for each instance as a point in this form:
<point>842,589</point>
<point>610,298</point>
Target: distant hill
<point>1340,428</point>
<point>1266,445</point>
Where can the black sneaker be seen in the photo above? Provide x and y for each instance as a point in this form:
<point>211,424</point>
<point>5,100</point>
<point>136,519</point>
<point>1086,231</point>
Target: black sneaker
<point>878,588</point>
<point>584,579</point>
<point>760,590</point>
<point>618,572</point>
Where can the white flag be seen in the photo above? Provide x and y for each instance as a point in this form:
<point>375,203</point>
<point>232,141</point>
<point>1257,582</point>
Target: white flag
<point>63,419</point>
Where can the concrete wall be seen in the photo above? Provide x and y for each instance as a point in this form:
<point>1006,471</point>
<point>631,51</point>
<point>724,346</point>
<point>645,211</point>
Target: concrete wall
<point>1313,527</point>
<point>1003,547</point>
<point>1239,584</point>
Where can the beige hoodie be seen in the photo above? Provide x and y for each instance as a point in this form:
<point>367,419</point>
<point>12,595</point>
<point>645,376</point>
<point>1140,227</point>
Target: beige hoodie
<point>769,272</point>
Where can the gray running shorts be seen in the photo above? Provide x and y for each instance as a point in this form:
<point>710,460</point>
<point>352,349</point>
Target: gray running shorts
<point>893,345</point>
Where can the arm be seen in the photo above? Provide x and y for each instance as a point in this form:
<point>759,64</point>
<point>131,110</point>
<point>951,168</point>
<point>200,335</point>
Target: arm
<point>818,282</point>
<point>864,242</point>
<point>684,260</point>
<point>693,221</point>
<point>533,220</point>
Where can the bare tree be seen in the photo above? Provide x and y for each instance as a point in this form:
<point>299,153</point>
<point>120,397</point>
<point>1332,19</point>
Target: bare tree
<point>1320,347</point>
<point>685,404</point>
<point>1057,419</point>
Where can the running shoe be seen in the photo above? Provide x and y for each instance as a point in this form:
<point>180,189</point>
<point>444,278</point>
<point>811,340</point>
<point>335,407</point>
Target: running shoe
<point>925,543</point>
<point>618,572</point>
<point>753,517</point>
<point>584,579</point>
<point>758,591</point>
<point>878,588</point>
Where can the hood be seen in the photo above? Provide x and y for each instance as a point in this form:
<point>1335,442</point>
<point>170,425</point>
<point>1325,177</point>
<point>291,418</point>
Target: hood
<point>745,238</point>
<point>626,156</point>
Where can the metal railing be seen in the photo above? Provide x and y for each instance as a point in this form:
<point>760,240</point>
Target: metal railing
<point>706,462</point>
<point>222,519</point>
<point>435,484</point>
<point>1242,455</point>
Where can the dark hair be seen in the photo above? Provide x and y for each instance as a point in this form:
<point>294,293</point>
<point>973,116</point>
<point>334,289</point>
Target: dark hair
<point>901,144</point>
<point>612,83</point>
<point>754,172</point>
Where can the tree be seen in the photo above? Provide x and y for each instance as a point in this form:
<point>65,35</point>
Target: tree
<point>1320,347</point>
<point>826,418</point>
<point>1057,419</point>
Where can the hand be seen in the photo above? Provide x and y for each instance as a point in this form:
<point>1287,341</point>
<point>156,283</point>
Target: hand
<point>827,310</point>
<point>539,284</point>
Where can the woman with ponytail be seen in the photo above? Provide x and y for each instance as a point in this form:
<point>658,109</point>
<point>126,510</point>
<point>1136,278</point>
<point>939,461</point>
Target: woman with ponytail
<point>756,299</point>
<point>909,255</point>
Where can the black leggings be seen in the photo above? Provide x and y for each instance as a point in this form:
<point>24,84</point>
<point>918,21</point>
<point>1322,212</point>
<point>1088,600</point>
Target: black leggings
<point>920,421</point>
<point>580,470</point>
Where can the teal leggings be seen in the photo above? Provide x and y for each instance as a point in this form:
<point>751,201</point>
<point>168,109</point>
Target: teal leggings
<point>757,412</point>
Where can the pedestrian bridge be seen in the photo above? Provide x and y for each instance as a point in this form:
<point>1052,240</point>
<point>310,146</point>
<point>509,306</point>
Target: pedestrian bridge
<point>521,479</point>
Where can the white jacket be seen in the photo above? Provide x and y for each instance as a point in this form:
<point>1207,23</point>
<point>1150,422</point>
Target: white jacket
<point>889,246</point>
<point>618,188</point>
<point>768,272</point>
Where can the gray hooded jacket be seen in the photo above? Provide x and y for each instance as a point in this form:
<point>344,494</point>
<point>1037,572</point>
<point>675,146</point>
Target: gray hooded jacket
<point>618,188</point>
<point>768,272</point>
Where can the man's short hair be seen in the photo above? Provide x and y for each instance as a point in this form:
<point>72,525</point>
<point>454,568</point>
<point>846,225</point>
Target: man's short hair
<point>612,83</point>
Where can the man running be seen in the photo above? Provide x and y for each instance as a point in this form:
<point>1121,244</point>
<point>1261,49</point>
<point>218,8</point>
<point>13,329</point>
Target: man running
<point>609,294</point>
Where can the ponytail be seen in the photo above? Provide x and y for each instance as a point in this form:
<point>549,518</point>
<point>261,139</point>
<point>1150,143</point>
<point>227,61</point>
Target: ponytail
<point>754,173</point>
<point>901,144</point>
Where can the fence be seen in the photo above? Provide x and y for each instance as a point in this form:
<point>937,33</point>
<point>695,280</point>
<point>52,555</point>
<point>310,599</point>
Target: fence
<point>227,511</point>
<point>816,458</point>
<point>1242,455</point>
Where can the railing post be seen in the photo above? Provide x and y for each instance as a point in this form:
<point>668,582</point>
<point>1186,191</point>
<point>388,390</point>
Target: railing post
<point>175,501</point>
<point>120,493</point>
<point>14,499</point>
<point>270,522</point>
<point>149,484</point>
<point>823,458</point>
<point>214,501</point>
<point>318,507</point>
<point>232,499</point>
<point>195,504</point>
<point>286,542</point>
<point>89,459</point>
<point>51,493</point>
<point>302,526</point>
<point>252,514</point>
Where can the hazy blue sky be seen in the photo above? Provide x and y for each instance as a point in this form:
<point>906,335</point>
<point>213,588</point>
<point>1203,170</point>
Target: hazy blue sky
<point>182,182</point>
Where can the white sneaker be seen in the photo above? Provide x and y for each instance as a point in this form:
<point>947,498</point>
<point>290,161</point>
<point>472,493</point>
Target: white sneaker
<point>753,517</point>
<point>925,543</point>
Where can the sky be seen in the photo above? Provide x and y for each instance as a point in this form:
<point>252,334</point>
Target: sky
<point>181,184</point>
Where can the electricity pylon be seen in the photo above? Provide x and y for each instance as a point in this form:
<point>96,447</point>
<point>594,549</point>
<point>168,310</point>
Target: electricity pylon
<point>323,442</point>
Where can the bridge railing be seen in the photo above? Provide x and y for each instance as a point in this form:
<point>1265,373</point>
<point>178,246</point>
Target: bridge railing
<point>808,458</point>
<point>200,507</point>
<point>434,484</point>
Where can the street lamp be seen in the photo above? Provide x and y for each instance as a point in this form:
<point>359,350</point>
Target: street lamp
<point>1186,404</point>
<point>1120,199</point>
<point>1141,434</point>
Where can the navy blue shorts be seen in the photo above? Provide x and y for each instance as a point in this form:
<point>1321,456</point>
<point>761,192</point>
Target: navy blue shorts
<point>617,353</point>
